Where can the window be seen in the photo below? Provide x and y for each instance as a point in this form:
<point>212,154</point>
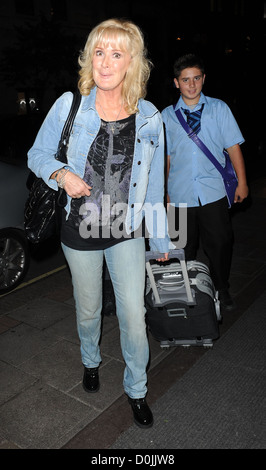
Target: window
<point>216,6</point>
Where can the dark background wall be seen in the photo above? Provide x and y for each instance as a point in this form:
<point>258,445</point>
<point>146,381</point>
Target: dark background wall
<point>40,42</point>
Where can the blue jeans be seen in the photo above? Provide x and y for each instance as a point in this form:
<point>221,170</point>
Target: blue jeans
<point>126,265</point>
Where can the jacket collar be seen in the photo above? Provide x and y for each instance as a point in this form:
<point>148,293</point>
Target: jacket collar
<point>146,109</point>
<point>89,101</point>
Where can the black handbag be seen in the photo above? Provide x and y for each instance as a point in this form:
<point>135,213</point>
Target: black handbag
<point>43,208</point>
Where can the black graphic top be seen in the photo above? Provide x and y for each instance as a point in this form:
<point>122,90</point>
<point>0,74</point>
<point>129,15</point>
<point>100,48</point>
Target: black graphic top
<point>97,221</point>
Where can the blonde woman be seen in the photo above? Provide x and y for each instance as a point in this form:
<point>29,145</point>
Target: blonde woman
<point>114,180</point>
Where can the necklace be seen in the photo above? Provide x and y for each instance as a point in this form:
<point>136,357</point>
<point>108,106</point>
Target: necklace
<point>112,124</point>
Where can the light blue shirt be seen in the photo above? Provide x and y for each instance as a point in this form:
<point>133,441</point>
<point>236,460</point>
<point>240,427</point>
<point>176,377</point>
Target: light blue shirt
<point>146,192</point>
<point>192,177</point>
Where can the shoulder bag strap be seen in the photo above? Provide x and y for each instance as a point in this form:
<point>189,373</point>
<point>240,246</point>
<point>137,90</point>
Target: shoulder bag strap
<point>71,117</point>
<point>68,126</point>
<point>191,134</point>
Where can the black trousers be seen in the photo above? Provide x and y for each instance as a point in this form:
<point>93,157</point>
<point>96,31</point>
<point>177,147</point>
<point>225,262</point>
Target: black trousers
<point>210,224</point>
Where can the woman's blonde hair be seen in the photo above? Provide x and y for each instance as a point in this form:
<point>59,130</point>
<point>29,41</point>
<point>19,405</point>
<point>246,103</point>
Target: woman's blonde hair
<point>127,37</point>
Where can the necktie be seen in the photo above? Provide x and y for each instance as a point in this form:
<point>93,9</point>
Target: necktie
<point>193,119</point>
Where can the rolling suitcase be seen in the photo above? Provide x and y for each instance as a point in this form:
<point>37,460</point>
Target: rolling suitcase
<point>182,307</point>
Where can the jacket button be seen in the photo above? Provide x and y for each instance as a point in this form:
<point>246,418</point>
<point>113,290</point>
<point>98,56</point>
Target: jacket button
<point>138,141</point>
<point>134,185</point>
<point>139,163</point>
<point>152,142</point>
<point>132,205</point>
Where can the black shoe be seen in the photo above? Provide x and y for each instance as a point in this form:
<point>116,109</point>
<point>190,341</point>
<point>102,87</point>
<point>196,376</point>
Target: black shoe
<point>91,380</point>
<point>226,301</point>
<point>142,413</point>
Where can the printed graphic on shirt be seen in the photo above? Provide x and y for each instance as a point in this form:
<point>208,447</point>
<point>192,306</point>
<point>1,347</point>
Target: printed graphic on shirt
<point>108,172</point>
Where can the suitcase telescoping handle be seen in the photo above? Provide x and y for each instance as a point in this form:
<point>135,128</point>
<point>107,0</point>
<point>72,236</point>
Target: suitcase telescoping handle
<point>173,254</point>
<point>153,255</point>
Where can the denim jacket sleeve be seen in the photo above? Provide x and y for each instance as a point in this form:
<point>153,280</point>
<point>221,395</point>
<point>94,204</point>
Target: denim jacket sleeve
<point>155,214</point>
<point>148,175</point>
<point>41,157</point>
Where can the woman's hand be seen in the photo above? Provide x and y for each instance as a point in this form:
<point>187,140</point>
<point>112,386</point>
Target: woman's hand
<point>166,258</point>
<point>75,187</point>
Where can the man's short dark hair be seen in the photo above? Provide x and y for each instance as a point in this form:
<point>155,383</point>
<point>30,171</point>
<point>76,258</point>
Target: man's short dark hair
<point>188,61</point>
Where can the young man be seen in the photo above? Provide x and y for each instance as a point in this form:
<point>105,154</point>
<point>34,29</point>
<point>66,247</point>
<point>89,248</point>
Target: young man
<point>193,179</point>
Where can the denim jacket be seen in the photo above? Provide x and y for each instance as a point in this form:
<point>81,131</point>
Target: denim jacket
<point>146,193</point>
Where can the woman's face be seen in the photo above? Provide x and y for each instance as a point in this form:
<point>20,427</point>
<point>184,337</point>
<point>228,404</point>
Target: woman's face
<point>110,65</point>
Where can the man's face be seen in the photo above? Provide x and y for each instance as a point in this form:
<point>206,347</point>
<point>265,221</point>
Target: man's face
<point>190,83</point>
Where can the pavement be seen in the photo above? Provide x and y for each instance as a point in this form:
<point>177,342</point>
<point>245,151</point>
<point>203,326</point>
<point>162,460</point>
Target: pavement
<point>43,404</point>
